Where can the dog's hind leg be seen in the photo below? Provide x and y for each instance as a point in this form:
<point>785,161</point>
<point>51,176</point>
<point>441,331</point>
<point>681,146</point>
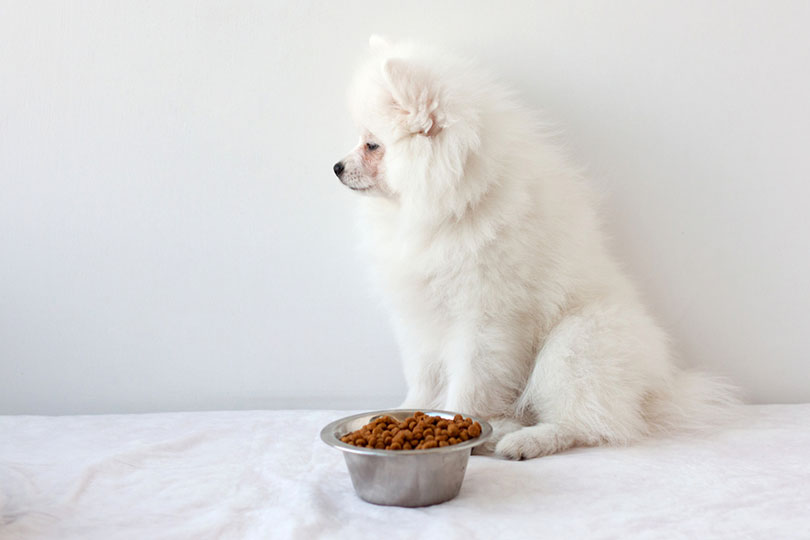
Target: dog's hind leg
<point>590,381</point>
<point>500,428</point>
<point>535,441</point>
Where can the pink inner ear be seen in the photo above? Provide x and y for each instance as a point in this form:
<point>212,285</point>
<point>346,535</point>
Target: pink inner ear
<point>413,98</point>
<point>435,128</point>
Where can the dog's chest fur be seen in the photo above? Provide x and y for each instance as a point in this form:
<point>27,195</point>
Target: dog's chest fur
<point>450,275</point>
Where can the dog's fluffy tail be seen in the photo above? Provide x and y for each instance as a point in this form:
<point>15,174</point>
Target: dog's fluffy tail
<point>694,401</point>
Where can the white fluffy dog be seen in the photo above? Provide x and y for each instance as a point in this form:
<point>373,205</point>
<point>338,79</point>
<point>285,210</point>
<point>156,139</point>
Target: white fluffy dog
<point>507,302</point>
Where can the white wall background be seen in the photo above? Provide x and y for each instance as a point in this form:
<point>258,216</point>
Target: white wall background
<point>172,237</point>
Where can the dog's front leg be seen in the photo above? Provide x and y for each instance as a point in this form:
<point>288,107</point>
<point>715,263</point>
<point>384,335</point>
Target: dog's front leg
<point>423,385</point>
<point>485,370</point>
<point>465,364</point>
<point>423,373</point>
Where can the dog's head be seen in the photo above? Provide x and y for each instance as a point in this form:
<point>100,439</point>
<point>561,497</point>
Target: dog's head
<point>363,169</point>
<point>418,117</point>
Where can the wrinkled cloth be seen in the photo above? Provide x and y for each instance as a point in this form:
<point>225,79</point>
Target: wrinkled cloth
<point>267,474</point>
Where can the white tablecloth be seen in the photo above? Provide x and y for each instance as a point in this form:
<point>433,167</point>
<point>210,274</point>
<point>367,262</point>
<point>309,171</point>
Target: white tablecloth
<point>266,474</point>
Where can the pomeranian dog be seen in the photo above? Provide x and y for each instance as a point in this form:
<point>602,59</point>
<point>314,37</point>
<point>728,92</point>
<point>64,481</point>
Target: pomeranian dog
<point>507,303</point>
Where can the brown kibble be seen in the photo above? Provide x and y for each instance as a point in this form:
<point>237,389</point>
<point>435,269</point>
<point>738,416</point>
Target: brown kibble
<point>420,432</point>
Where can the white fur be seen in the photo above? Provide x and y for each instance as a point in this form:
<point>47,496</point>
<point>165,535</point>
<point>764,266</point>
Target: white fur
<point>506,301</point>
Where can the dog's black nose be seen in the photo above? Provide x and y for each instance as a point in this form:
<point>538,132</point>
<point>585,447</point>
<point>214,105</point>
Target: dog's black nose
<point>338,168</point>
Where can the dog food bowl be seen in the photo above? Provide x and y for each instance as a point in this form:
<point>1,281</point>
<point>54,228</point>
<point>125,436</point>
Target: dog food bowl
<point>403,477</point>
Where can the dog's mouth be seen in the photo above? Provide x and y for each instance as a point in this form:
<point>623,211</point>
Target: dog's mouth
<point>358,188</point>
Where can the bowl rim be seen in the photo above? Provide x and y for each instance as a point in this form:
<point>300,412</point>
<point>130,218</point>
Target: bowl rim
<point>328,434</point>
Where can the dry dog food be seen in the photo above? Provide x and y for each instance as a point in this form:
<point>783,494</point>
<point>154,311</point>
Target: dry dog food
<point>417,432</point>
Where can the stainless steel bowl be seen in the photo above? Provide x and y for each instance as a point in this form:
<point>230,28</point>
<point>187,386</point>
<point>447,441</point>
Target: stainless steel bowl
<point>403,477</point>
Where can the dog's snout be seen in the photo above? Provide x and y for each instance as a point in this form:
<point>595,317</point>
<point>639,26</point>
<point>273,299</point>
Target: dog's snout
<point>338,168</point>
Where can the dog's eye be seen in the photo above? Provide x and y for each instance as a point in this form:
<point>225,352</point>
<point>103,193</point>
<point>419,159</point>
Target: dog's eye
<point>372,146</point>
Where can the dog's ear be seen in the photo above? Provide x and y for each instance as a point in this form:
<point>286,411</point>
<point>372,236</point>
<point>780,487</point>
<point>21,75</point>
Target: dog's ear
<point>416,96</point>
<point>378,43</point>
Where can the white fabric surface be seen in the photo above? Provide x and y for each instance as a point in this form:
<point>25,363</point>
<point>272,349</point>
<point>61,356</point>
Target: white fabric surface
<point>267,475</point>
